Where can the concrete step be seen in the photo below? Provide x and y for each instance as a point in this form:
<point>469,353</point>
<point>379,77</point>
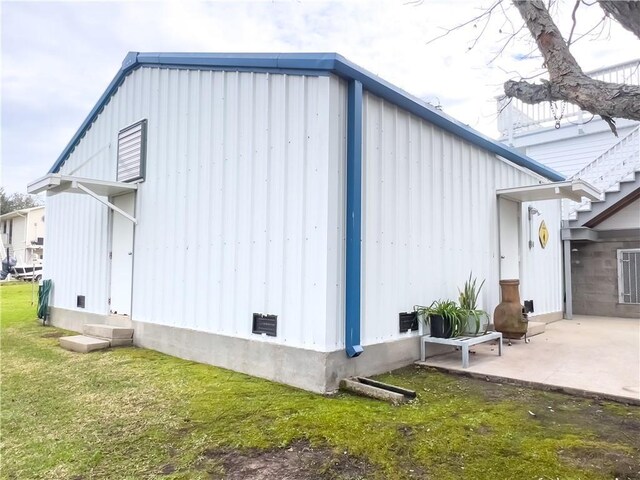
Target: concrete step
<point>119,320</point>
<point>108,332</point>
<point>535,328</point>
<point>83,344</point>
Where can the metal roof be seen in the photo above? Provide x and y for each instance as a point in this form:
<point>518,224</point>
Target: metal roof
<point>304,63</point>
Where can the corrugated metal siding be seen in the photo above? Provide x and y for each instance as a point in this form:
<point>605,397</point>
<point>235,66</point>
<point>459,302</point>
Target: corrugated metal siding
<point>430,217</point>
<point>76,251</point>
<point>335,323</point>
<point>568,156</point>
<point>233,214</point>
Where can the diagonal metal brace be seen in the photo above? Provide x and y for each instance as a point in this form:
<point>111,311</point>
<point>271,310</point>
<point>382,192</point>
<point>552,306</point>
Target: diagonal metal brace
<point>86,190</point>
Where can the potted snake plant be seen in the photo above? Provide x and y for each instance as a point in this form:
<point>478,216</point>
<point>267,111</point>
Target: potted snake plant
<point>475,319</point>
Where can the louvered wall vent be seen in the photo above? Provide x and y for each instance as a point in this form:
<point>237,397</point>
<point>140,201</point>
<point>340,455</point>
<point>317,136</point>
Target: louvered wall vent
<point>132,152</point>
<point>267,324</point>
<point>80,301</point>
<point>408,321</point>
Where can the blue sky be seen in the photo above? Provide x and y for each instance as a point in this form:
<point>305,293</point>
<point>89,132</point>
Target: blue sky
<point>58,57</point>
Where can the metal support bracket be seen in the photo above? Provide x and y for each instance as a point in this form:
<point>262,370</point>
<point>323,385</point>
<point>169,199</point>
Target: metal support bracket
<point>86,190</point>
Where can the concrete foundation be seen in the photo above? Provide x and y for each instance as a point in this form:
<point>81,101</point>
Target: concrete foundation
<point>74,320</point>
<point>307,369</point>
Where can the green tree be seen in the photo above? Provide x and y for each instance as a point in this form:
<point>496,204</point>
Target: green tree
<point>17,201</point>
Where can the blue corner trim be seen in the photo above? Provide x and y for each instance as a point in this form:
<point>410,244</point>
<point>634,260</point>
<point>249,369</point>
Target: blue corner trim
<point>306,63</point>
<point>354,219</point>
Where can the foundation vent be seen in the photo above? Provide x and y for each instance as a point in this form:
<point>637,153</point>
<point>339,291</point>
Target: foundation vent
<point>408,321</point>
<point>265,324</point>
<point>528,306</point>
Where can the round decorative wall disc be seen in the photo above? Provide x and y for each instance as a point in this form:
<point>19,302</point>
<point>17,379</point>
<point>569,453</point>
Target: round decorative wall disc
<point>543,234</point>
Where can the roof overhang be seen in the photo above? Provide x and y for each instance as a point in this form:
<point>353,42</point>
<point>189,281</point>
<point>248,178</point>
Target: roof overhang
<point>573,190</point>
<point>99,189</point>
<point>56,183</point>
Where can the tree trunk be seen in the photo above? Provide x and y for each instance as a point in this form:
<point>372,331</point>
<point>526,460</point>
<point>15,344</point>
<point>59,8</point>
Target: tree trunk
<point>567,81</point>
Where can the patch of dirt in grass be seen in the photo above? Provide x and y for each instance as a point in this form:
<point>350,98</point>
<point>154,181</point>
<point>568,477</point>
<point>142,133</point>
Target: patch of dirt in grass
<point>406,431</point>
<point>617,465</point>
<point>168,469</point>
<point>53,335</point>
<point>296,462</point>
<point>552,409</point>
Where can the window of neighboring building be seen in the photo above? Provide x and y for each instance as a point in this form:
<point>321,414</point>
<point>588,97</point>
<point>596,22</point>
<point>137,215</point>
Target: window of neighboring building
<point>629,275</point>
<point>132,152</point>
<point>10,232</point>
<point>4,226</point>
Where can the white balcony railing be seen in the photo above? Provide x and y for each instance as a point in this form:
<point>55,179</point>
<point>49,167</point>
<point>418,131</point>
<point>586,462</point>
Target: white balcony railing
<point>515,116</point>
<point>609,169</point>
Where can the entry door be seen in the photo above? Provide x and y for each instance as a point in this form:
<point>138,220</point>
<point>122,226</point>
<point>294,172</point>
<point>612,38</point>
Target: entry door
<point>122,255</point>
<point>509,239</point>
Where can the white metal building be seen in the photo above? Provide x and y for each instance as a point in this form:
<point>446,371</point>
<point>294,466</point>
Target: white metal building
<point>204,189</point>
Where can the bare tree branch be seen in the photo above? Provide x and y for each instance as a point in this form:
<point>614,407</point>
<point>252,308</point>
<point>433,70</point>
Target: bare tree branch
<point>474,19</point>
<point>573,17</point>
<point>567,81</point>
<point>626,14</point>
<point>601,22</point>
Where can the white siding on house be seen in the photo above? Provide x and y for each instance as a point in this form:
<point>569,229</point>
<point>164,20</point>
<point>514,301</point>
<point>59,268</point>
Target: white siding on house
<point>430,217</point>
<point>628,217</point>
<point>567,156</point>
<point>234,211</point>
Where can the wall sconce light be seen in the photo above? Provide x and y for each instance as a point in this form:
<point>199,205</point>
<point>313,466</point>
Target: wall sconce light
<point>532,211</point>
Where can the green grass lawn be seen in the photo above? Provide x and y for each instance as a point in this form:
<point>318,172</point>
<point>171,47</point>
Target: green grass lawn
<point>134,413</point>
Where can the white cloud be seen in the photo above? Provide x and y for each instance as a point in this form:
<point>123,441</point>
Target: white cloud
<point>57,58</point>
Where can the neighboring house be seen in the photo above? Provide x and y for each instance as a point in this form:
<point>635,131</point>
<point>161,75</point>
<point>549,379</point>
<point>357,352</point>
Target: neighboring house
<point>23,236</point>
<point>275,213</point>
<point>601,259</point>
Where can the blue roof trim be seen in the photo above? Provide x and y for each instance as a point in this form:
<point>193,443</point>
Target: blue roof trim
<point>309,63</point>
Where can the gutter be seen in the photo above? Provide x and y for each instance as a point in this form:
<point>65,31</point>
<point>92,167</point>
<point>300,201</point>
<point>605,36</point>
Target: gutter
<point>354,220</point>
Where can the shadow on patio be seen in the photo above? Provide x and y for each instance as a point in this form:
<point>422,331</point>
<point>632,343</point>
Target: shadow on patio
<point>593,356</point>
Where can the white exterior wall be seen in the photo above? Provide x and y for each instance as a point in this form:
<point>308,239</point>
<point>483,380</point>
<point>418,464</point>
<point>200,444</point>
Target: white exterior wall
<point>239,211</point>
<point>76,251</point>
<point>567,151</point>
<point>430,216</point>
<point>627,218</point>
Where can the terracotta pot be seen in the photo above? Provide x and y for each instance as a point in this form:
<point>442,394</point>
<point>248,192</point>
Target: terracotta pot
<point>508,317</point>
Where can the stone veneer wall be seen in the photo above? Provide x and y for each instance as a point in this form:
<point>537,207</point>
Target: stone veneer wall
<point>594,275</point>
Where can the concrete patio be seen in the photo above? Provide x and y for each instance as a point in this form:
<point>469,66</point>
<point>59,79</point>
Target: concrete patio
<point>592,356</point>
